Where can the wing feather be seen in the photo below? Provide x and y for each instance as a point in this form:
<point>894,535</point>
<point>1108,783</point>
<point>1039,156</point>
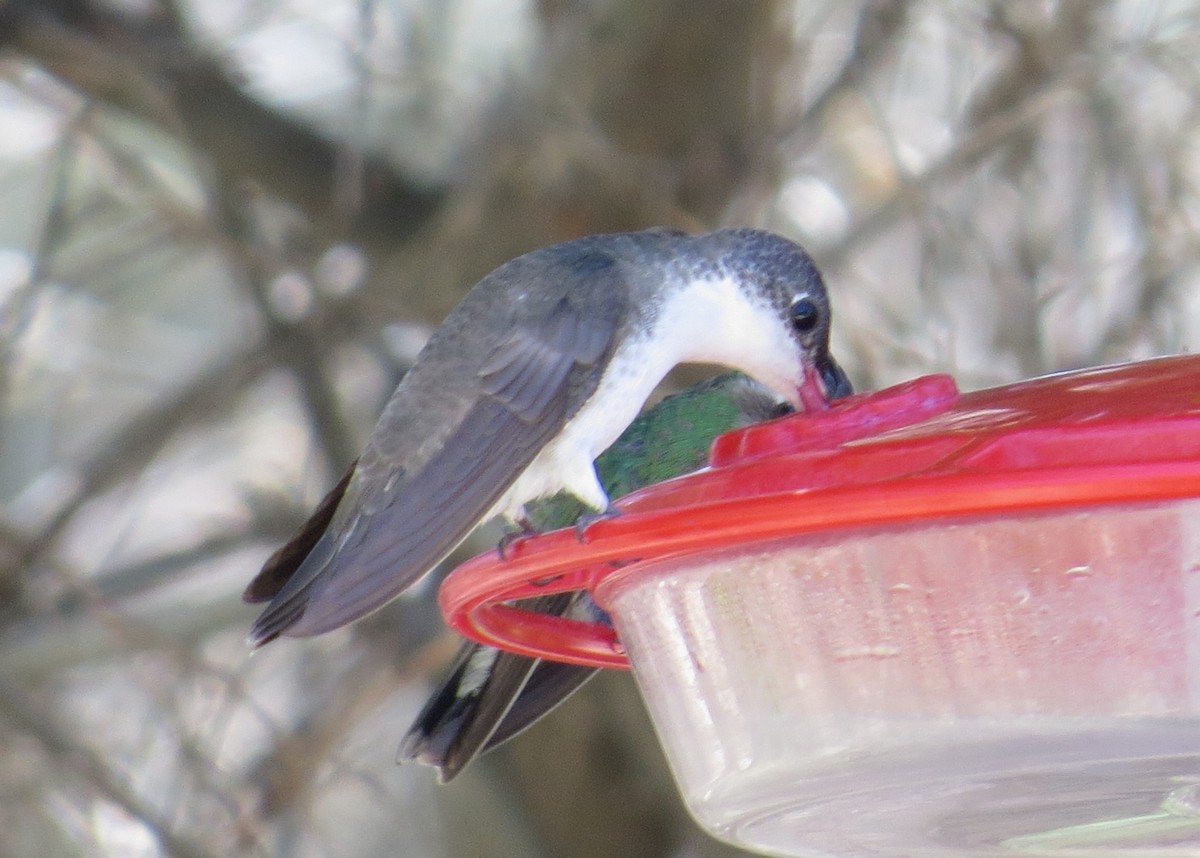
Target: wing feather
<point>281,565</point>
<point>388,544</point>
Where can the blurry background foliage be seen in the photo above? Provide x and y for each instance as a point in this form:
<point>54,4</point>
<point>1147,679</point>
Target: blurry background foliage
<point>226,226</point>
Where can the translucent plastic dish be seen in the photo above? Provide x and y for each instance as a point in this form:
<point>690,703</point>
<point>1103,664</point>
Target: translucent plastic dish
<point>921,624</point>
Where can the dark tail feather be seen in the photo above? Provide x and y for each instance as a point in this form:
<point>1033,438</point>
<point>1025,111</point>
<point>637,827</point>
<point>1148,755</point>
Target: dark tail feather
<point>489,697</point>
<point>460,717</point>
<point>550,684</point>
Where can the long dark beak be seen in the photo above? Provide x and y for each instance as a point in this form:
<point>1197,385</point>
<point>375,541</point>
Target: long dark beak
<point>834,380</point>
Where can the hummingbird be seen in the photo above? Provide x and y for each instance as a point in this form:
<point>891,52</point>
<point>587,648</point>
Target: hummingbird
<point>490,695</point>
<point>537,371</point>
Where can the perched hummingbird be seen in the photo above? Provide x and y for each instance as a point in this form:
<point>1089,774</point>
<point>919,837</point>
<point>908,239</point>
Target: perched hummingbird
<point>539,369</point>
<point>490,695</point>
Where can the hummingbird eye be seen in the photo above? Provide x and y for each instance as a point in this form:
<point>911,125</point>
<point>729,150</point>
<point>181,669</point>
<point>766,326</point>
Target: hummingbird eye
<point>804,314</point>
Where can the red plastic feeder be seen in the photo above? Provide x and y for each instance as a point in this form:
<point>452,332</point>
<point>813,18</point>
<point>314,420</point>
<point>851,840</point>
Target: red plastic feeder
<point>920,623</point>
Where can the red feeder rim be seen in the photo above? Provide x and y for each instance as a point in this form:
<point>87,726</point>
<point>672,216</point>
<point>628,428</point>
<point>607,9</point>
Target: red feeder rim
<point>915,452</point>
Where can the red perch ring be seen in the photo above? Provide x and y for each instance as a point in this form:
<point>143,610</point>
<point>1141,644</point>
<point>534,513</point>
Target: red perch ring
<point>915,452</point>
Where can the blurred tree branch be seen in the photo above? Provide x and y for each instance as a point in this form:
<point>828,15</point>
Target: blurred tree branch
<point>150,67</point>
<point>20,712</point>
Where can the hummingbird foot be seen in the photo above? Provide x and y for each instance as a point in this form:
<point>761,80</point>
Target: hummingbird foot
<point>524,531</point>
<point>586,520</point>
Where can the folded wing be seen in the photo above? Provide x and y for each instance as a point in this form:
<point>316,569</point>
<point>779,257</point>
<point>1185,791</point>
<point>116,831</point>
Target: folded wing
<point>529,384</point>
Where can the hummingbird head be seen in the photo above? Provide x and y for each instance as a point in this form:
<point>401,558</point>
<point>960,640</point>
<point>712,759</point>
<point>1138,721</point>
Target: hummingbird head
<point>777,329</point>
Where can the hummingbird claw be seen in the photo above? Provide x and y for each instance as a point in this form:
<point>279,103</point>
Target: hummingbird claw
<point>524,531</point>
<point>586,520</point>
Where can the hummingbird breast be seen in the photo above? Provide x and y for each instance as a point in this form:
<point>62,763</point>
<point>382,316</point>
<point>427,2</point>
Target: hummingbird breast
<point>708,319</point>
<point>635,369</point>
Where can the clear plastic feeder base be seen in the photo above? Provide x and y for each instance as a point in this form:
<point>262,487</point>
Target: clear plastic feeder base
<point>930,691</point>
<point>921,624</point>
<point>1059,787</point>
